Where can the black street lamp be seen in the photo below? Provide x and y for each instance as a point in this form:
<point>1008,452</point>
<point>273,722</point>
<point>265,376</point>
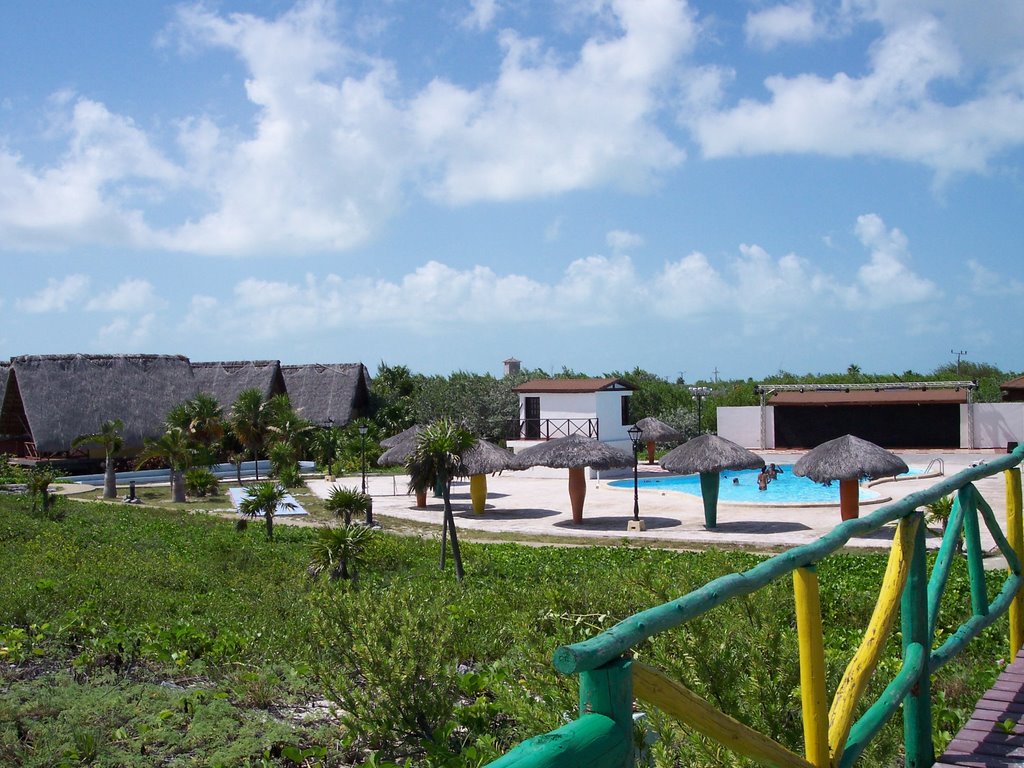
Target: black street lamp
<point>700,393</point>
<point>634,433</point>
<point>362,451</point>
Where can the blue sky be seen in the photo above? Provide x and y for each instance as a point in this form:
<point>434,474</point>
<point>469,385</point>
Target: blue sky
<point>597,184</point>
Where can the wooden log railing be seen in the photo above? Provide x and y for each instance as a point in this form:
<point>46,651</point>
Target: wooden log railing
<point>603,737</point>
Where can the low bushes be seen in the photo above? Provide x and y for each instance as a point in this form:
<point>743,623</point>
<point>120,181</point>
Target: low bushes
<point>410,665</point>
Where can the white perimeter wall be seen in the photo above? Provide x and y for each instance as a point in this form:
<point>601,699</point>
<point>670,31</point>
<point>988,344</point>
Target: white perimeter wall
<point>742,425</point>
<point>995,424</point>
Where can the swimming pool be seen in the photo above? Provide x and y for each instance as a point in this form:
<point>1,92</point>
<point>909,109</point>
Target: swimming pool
<point>786,489</point>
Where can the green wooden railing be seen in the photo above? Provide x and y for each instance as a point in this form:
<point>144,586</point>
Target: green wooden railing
<point>603,734</point>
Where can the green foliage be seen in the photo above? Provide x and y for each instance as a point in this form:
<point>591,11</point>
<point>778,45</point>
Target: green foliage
<point>264,499</point>
<point>337,548</point>
<point>38,486</point>
<point>482,404</point>
<point>200,481</point>
<point>346,502</point>
<point>393,393</point>
<point>139,637</point>
<point>940,510</point>
<point>11,473</point>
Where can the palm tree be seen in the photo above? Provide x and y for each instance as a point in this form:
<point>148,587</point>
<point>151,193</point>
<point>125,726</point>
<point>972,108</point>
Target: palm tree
<point>264,499</point>
<point>110,440</point>
<point>435,461</point>
<point>346,501</point>
<point>327,445</point>
<point>335,549</point>
<point>250,419</point>
<point>173,448</point>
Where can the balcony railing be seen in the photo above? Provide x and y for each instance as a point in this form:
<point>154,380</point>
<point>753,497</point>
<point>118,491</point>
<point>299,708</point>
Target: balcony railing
<point>549,429</point>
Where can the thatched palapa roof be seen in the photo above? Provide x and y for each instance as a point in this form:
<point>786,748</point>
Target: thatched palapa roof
<point>65,396</point>
<point>709,453</point>
<point>654,431</point>
<point>573,451</point>
<point>483,458</point>
<point>327,394</point>
<point>401,437</point>
<point>225,380</point>
<point>848,458</point>
<point>399,453</point>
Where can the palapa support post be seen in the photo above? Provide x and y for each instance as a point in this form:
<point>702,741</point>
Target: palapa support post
<point>812,665</point>
<point>478,492</point>
<point>709,493</point>
<point>651,448</point>
<point>577,492</point>
<point>917,706</point>
<point>1015,536</point>
<point>849,499</point>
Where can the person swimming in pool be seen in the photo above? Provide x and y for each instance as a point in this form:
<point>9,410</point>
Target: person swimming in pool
<point>763,479</point>
<point>773,471</point>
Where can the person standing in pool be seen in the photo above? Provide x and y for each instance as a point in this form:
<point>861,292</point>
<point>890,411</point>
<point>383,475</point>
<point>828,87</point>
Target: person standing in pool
<point>763,480</point>
<point>773,471</point>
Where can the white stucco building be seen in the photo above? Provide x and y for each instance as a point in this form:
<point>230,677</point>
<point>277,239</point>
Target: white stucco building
<point>551,408</point>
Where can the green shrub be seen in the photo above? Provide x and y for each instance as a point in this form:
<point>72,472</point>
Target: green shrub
<point>200,481</point>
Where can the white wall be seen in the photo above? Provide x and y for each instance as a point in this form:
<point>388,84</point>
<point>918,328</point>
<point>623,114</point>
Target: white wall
<point>995,424</point>
<point>609,414</point>
<point>742,425</point>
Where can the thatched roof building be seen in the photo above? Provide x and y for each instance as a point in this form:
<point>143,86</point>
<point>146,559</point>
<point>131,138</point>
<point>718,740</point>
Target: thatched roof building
<point>327,394</point>
<point>225,380</point>
<point>5,370</point>
<point>52,399</point>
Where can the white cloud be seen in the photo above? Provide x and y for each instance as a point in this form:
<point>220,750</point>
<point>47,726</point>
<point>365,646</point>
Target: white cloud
<point>751,290</point>
<point>131,295</point>
<point>94,192</point>
<point>57,296</point>
<point>779,24</point>
<point>891,111</point>
<point>886,280</point>
<point>985,282</point>
<point>125,334</point>
<point>543,128</point>
<point>620,240</point>
<point>481,14</point>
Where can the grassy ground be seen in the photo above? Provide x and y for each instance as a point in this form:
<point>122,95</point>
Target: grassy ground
<point>141,636</point>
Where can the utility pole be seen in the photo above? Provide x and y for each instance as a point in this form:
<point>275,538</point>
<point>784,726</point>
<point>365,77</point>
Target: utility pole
<point>961,353</point>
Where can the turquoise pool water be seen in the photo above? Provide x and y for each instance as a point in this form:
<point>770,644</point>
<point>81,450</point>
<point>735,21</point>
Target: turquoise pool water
<point>787,488</point>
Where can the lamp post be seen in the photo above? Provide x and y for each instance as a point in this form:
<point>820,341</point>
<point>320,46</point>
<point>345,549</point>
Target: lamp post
<point>362,452</point>
<point>634,433</point>
<point>700,393</point>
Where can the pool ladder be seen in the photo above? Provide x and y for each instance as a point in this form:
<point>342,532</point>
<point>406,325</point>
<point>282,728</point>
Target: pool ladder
<point>933,462</point>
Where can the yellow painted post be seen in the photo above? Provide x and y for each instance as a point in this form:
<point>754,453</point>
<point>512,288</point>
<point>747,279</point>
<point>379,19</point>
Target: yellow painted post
<point>812,665</point>
<point>858,672</point>
<point>1015,536</point>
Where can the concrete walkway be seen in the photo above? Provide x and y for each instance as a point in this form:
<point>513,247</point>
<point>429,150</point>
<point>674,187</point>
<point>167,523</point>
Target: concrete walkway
<point>536,503</point>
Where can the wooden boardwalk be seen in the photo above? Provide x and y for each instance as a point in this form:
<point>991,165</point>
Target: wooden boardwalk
<point>988,740</point>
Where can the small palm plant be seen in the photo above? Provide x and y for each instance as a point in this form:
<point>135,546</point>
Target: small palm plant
<point>336,549</point>
<point>435,461</point>
<point>344,502</point>
<point>939,512</point>
<point>38,487</point>
<point>264,499</point>
<point>174,449</point>
<point>110,440</point>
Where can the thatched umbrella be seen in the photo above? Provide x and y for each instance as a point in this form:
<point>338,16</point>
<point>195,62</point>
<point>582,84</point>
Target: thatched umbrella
<point>709,455</point>
<point>401,437</point>
<point>398,454</point>
<point>478,462</point>
<point>574,453</point>
<point>848,459</point>
<point>653,431</point>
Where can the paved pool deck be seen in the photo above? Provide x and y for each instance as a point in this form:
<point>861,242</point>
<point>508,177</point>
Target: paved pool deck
<point>536,503</point>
